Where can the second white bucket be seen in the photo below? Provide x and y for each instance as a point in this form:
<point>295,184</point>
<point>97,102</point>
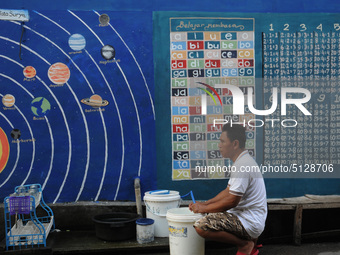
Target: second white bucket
<point>157,204</point>
<point>183,238</point>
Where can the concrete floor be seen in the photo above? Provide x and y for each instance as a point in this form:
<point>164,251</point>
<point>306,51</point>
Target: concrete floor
<point>85,242</point>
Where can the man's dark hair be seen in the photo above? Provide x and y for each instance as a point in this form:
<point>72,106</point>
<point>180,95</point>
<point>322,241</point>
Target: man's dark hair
<point>236,132</point>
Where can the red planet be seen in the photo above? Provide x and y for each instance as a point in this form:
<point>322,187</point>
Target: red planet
<point>29,72</point>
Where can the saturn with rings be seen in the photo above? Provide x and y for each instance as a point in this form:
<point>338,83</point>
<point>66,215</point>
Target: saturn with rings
<point>95,101</point>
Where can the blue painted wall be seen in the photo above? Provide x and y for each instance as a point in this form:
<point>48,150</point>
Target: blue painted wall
<point>77,151</point>
<point>94,171</point>
<point>290,6</point>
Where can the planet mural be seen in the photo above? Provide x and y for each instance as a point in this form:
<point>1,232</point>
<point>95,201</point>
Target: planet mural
<point>59,73</point>
<point>108,52</point>
<point>95,101</point>
<point>8,100</point>
<point>29,72</point>
<point>77,42</point>
<point>40,106</point>
<point>4,150</point>
<point>104,19</point>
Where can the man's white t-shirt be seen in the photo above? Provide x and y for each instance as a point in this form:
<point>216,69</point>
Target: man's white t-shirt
<point>248,183</point>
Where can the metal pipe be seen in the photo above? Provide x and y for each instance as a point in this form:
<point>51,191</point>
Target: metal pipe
<point>138,197</point>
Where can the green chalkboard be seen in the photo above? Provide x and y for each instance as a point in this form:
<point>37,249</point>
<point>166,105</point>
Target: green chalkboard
<point>285,68</point>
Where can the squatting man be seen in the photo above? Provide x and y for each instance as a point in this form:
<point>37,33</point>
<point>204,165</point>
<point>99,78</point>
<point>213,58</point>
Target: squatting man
<point>238,213</point>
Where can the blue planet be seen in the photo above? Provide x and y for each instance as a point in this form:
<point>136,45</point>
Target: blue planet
<point>77,42</point>
<point>40,106</point>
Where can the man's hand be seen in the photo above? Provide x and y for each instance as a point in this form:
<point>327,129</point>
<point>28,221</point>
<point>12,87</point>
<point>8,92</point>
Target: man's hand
<point>222,202</point>
<point>198,207</point>
<point>191,204</point>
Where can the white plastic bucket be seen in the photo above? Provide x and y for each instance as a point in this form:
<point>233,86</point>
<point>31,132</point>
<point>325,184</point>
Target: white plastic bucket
<point>183,237</point>
<point>157,204</point>
<point>145,230</point>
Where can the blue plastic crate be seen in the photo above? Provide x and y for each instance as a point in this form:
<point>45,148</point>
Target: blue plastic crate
<point>20,204</point>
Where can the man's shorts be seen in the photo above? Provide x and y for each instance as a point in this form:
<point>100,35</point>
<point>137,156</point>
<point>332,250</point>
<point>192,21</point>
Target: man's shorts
<point>223,221</point>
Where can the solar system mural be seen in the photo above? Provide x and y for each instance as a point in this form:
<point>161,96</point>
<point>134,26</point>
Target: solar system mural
<point>77,113</point>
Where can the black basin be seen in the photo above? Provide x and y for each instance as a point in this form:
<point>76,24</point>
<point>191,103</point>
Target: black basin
<point>116,226</point>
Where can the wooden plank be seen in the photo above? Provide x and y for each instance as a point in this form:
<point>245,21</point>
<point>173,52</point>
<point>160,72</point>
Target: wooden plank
<point>275,200</point>
<point>281,207</point>
<point>305,206</point>
<point>291,200</point>
<point>298,200</point>
<point>307,199</point>
<point>325,198</point>
<point>297,225</point>
<point>321,206</point>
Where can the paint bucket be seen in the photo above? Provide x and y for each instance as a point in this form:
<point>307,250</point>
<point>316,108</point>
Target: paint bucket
<point>183,238</point>
<point>145,230</point>
<point>157,203</point>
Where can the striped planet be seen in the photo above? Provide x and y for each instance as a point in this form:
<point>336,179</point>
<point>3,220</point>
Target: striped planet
<point>30,72</point>
<point>4,150</point>
<point>8,100</point>
<point>59,73</point>
<point>77,42</point>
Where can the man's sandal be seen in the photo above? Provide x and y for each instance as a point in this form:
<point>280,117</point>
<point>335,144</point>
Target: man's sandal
<point>255,250</point>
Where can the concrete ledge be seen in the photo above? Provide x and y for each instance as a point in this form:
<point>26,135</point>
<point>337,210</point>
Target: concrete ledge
<point>74,217</point>
<point>86,241</point>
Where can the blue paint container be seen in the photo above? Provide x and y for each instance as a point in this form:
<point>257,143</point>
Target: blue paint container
<point>145,230</point>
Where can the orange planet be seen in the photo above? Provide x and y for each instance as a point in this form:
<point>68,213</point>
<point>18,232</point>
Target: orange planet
<point>30,72</point>
<point>8,100</point>
<point>59,73</point>
<point>4,150</point>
